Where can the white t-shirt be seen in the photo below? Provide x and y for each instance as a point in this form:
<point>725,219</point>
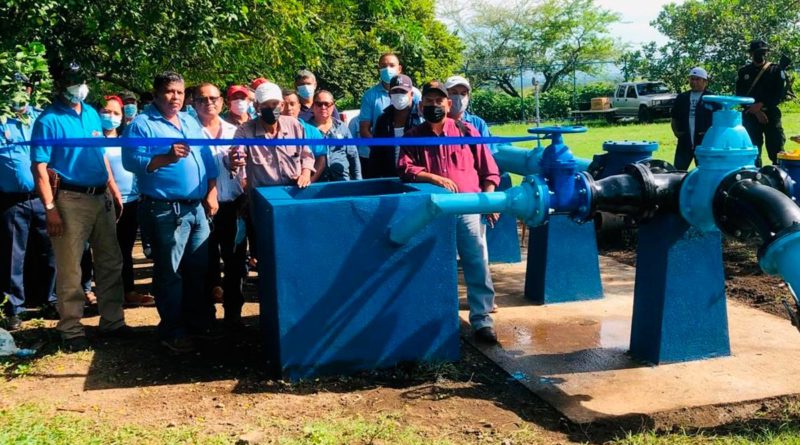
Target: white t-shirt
<point>694,98</point>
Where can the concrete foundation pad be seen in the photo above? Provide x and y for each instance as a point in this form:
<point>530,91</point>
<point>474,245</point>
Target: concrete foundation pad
<point>574,355</point>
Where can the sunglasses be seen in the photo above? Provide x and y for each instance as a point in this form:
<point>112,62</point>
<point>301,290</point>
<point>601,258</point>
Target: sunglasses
<point>206,99</point>
<point>323,104</point>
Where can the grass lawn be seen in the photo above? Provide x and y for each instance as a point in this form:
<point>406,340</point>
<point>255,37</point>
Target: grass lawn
<point>587,144</point>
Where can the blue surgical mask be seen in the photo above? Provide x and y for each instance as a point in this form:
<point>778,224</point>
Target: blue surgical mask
<point>305,91</point>
<point>387,74</point>
<point>130,110</point>
<point>109,121</point>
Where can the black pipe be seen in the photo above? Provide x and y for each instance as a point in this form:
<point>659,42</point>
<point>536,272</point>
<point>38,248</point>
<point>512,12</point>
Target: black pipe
<point>638,192</point>
<point>745,206</point>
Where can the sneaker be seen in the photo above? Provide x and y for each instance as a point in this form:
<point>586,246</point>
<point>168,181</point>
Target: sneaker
<point>12,323</point>
<point>91,298</point>
<point>134,298</point>
<point>123,331</point>
<point>76,344</point>
<point>179,345</point>
<point>486,335</point>
<point>494,309</point>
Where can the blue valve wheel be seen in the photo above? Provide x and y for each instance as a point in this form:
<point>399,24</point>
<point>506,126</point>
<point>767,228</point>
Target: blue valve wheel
<point>558,130</point>
<point>728,102</point>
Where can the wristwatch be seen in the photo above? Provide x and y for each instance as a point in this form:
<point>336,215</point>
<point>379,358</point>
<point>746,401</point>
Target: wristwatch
<point>49,206</point>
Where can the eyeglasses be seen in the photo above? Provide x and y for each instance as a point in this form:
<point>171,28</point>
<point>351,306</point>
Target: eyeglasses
<point>323,104</point>
<point>207,99</point>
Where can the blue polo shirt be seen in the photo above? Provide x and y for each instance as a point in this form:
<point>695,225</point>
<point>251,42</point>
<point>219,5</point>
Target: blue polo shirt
<point>15,160</point>
<point>313,132</point>
<point>82,166</point>
<point>186,179</point>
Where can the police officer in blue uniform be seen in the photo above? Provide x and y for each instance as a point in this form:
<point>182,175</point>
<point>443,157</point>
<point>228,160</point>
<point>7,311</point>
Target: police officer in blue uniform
<point>22,213</point>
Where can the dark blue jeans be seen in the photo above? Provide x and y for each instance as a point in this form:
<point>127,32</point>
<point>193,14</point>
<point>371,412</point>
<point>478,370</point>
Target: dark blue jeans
<point>179,233</point>
<point>24,231</point>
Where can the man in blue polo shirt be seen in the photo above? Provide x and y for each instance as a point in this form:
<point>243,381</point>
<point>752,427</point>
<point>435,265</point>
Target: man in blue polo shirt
<point>374,101</point>
<point>21,214</point>
<point>81,209</point>
<point>178,184</point>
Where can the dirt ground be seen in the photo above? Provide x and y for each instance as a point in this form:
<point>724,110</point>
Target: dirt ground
<point>227,386</point>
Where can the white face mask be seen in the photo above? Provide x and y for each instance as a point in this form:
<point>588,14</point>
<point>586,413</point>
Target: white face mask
<point>460,103</point>
<point>77,93</point>
<point>400,101</point>
<point>240,106</point>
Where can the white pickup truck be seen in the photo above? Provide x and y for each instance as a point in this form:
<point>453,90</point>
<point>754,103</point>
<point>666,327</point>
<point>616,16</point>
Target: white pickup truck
<point>645,101</point>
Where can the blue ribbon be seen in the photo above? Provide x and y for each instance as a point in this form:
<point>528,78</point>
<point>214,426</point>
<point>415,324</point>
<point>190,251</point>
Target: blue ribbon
<point>157,142</point>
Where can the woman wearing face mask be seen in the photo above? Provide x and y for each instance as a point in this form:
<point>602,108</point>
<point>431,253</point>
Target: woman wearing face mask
<point>395,120</point>
<point>111,116</point>
<point>342,162</point>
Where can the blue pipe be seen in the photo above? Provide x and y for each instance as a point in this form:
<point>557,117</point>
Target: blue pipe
<point>528,201</point>
<point>525,161</point>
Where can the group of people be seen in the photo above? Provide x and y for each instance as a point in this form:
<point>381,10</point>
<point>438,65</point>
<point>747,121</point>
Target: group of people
<point>761,79</point>
<point>190,203</point>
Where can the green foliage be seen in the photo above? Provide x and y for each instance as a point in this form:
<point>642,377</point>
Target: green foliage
<point>554,37</point>
<point>126,42</point>
<point>714,34</point>
<point>498,107</point>
<point>29,61</point>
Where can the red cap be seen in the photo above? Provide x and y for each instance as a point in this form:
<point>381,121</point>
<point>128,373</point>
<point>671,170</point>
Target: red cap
<point>256,82</point>
<point>233,89</point>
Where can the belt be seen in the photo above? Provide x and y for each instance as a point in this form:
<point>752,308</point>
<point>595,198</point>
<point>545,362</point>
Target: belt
<point>99,190</point>
<point>171,201</point>
<point>18,196</point>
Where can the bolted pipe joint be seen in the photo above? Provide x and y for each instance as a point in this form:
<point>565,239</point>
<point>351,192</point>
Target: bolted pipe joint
<point>638,193</point>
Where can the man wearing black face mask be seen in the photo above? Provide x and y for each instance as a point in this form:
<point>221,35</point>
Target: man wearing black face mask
<point>763,81</point>
<point>458,168</point>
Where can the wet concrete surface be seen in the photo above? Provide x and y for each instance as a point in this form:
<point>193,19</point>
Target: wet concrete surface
<point>574,355</point>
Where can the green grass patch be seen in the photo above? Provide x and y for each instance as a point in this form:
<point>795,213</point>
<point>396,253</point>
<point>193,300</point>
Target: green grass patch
<point>781,435</point>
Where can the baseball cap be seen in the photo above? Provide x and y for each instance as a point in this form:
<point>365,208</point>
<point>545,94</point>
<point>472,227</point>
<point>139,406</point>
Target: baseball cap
<point>257,82</point>
<point>401,82</point>
<point>457,80</point>
<point>268,91</point>
<point>233,89</point>
<point>698,72</point>
<point>758,45</point>
<point>127,95</point>
<point>434,86</point>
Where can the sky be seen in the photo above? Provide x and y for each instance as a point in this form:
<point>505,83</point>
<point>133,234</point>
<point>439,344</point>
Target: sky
<point>635,28</point>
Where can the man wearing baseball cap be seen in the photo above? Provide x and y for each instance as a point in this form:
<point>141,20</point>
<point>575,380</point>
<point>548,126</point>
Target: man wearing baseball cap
<point>691,117</point>
<point>764,82</point>
<point>458,168</point>
<point>238,101</point>
<point>459,91</point>
<point>396,119</point>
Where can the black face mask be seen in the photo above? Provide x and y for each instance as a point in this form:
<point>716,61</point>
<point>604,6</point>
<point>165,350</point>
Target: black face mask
<point>270,115</point>
<point>433,113</point>
<point>758,58</point>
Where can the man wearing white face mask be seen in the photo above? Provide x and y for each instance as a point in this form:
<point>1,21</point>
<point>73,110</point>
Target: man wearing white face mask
<point>398,117</point>
<point>238,105</point>
<point>305,83</point>
<point>374,101</point>
<point>81,209</point>
<point>459,91</point>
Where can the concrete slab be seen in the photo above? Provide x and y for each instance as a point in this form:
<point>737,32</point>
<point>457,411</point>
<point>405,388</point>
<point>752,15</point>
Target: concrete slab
<point>573,355</point>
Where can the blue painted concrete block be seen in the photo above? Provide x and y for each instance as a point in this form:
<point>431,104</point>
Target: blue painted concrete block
<point>336,296</point>
<point>563,263</point>
<point>503,238</point>
<point>679,309</point>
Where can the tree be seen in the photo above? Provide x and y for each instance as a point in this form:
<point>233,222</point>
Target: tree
<point>126,42</point>
<point>25,64</point>
<point>553,37</point>
<point>715,34</point>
